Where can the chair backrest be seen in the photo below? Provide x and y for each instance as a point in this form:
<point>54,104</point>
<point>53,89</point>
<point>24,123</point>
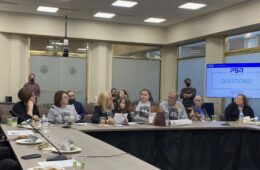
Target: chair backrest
<point>209,108</point>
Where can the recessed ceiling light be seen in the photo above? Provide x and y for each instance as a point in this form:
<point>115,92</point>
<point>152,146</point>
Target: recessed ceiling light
<point>47,9</point>
<point>104,15</point>
<point>155,20</point>
<point>191,5</point>
<point>126,4</point>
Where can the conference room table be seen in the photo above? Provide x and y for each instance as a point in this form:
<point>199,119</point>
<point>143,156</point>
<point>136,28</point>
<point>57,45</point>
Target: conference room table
<point>98,155</point>
<point>199,146</point>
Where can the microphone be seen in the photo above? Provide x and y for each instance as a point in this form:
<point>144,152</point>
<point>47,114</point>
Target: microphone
<point>50,158</point>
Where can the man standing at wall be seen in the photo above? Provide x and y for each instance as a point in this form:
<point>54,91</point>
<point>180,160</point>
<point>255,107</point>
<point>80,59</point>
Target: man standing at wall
<point>34,86</point>
<point>187,94</point>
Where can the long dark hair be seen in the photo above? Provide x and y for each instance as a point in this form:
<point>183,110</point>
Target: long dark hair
<point>127,105</point>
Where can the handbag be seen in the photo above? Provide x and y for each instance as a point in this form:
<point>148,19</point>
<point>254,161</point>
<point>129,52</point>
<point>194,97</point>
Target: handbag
<point>159,119</point>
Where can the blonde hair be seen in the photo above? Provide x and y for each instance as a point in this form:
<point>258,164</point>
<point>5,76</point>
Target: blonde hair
<point>102,98</point>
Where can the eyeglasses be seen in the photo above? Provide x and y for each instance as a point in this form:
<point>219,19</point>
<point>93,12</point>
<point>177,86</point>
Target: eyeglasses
<point>173,98</point>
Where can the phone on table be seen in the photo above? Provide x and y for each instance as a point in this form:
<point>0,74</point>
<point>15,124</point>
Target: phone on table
<point>31,156</point>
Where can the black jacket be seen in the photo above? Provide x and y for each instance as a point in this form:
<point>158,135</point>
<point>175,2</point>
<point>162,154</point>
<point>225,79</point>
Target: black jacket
<point>232,112</point>
<point>20,108</point>
<point>97,114</point>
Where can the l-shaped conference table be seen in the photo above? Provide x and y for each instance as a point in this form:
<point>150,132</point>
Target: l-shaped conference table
<point>199,146</point>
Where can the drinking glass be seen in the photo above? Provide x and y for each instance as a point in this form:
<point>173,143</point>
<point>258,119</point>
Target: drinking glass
<point>14,121</point>
<point>102,121</point>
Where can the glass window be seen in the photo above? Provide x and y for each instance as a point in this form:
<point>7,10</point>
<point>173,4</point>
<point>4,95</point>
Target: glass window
<point>53,46</point>
<point>197,49</point>
<point>136,51</point>
<point>196,73</point>
<point>136,64</point>
<point>243,41</point>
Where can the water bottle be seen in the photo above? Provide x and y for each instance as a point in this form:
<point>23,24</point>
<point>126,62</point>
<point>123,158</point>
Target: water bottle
<point>44,123</point>
<point>241,117</point>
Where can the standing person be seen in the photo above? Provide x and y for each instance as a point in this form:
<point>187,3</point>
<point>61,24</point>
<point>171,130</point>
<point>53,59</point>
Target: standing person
<point>187,94</point>
<point>34,86</point>
<point>172,108</point>
<point>78,106</point>
<point>240,105</point>
<point>26,108</point>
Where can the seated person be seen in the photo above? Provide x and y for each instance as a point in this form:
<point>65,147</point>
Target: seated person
<point>78,106</point>
<point>144,106</point>
<point>124,107</point>
<point>172,108</point>
<point>5,159</point>
<point>199,108</point>
<point>193,115</point>
<point>26,108</point>
<point>104,108</point>
<point>9,164</point>
<point>241,104</point>
<point>61,112</point>
<point>120,95</point>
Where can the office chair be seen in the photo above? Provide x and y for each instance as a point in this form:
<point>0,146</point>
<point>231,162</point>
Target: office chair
<point>209,108</point>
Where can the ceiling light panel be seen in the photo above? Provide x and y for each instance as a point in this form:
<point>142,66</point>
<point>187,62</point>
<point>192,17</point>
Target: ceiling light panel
<point>47,9</point>
<point>192,6</point>
<point>104,15</point>
<point>125,4</point>
<point>155,20</point>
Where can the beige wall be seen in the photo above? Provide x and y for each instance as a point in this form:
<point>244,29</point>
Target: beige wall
<point>14,64</point>
<point>54,26</point>
<point>168,70</point>
<point>14,48</point>
<point>99,69</point>
<point>214,54</point>
<point>246,14</point>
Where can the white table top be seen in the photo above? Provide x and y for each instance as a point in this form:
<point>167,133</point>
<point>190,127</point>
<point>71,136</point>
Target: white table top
<point>90,147</point>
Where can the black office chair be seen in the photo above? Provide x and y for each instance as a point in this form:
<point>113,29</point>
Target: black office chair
<point>209,108</point>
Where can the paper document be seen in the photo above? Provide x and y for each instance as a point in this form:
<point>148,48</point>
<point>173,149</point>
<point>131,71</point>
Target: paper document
<point>20,132</point>
<point>120,118</point>
<point>61,164</point>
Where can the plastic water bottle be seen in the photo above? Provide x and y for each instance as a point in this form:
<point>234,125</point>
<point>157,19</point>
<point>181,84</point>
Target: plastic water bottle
<point>44,123</point>
<point>241,117</point>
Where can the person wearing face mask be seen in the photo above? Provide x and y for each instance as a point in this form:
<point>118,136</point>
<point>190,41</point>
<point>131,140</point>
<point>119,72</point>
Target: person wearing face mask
<point>34,86</point>
<point>78,106</point>
<point>187,94</point>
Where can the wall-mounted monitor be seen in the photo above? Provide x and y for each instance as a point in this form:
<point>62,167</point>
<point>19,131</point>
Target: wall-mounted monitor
<point>228,79</point>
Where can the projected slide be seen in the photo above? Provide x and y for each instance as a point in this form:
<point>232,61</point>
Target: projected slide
<point>227,80</point>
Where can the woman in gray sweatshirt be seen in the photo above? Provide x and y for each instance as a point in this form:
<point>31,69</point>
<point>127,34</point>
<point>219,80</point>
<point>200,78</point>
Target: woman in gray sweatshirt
<point>61,112</point>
